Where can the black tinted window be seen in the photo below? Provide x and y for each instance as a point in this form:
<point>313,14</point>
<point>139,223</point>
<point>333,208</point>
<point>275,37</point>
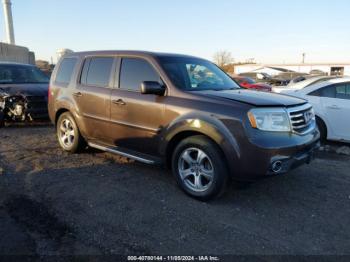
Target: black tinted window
<point>65,71</point>
<point>343,91</point>
<point>328,91</point>
<point>98,72</point>
<point>134,71</point>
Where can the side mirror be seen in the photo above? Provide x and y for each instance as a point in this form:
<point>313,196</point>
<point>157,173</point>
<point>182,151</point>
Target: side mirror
<point>152,88</point>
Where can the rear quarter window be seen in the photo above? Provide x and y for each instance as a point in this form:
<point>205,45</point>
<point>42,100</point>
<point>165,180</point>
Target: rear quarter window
<point>65,70</point>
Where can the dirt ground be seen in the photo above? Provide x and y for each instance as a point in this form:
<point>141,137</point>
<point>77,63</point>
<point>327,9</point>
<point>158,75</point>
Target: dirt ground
<point>95,203</point>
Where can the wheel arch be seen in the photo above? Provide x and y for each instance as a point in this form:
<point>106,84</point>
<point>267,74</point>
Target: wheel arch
<point>59,113</point>
<point>324,125</point>
<point>213,129</point>
<point>176,139</point>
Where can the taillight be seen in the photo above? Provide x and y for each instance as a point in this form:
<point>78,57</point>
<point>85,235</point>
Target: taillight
<point>49,94</point>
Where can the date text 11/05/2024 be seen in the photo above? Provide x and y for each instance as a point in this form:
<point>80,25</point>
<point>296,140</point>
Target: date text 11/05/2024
<point>173,258</point>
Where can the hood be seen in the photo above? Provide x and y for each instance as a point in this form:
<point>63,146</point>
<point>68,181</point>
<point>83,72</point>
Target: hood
<point>252,97</point>
<point>25,89</point>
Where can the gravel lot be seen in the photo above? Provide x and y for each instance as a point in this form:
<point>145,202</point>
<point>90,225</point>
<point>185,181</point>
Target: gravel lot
<point>96,203</point>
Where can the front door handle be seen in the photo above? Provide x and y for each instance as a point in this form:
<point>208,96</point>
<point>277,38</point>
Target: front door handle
<point>77,94</point>
<point>119,102</point>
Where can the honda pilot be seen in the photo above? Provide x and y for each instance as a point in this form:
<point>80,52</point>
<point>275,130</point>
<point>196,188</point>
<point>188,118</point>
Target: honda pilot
<point>181,112</point>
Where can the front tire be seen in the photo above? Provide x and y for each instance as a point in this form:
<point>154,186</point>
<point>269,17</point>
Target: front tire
<point>68,133</point>
<point>199,167</point>
<point>322,128</point>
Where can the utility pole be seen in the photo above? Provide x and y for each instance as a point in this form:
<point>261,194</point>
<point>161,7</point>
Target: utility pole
<point>8,22</point>
<point>304,55</point>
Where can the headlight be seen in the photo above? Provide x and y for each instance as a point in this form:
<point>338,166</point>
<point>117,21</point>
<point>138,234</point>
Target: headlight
<point>269,119</point>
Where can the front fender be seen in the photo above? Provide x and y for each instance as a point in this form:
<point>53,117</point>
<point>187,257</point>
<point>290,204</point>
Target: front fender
<point>209,126</point>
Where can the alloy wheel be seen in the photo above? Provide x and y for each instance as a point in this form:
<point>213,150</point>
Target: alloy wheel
<point>196,169</point>
<point>66,133</point>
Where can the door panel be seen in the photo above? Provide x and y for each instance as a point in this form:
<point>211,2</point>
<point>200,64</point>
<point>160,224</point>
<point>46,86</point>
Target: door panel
<point>94,103</point>
<point>337,112</point>
<point>136,120</point>
<point>93,96</point>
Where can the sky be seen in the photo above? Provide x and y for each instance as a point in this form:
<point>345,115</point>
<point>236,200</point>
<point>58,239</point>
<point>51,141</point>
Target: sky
<point>271,31</point>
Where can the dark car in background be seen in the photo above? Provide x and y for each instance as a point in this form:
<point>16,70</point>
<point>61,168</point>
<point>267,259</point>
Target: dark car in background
<point>23,93</point>
<point>261,77</point>
<point>249,83</point>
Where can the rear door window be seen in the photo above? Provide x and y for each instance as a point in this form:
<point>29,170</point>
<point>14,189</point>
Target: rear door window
<point>65,70</point>
<point>343,91</point>
<point>328,91</point>
<point>134,71</point>
<point>97,71</point>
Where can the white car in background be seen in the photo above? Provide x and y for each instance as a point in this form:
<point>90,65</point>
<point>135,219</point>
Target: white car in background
<point>331,102</point>
<point>302,84</point>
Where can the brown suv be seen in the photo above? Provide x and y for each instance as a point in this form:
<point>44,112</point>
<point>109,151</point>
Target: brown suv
<point>180,111</point>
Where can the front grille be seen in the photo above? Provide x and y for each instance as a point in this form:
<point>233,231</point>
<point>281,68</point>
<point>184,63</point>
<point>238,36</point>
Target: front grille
<point>36,102</point>
<point>302,118</point>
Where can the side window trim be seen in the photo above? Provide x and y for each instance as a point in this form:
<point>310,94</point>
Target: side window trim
<point>82,73</point>
<point>116,70</point>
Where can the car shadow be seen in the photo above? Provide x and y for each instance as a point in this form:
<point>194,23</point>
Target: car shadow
<point>132,206</point>
<point>46,123</point>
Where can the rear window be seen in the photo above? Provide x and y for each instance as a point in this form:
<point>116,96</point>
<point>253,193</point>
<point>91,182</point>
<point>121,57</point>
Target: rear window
<point>97,71</point>
<point>65,71</point>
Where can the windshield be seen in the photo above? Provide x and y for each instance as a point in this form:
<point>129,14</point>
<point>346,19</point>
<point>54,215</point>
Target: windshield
<point>21,74</point>
<point>194,74</point>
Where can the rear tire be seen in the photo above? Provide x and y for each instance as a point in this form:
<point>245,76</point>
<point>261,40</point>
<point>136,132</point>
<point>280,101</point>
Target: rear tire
<point>322,128</point>
<point>68,133</point>
<point>199,167</point>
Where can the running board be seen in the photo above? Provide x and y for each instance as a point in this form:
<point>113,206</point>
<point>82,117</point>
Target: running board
<point>118,152</point>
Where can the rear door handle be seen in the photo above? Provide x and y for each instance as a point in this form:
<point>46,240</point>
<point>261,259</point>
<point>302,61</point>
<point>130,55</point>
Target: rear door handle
<point>119,102</point>
<point>78,94</point>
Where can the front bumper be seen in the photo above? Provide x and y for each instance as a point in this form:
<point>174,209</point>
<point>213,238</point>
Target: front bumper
<point>268,154</point>
<point>283,164</point>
